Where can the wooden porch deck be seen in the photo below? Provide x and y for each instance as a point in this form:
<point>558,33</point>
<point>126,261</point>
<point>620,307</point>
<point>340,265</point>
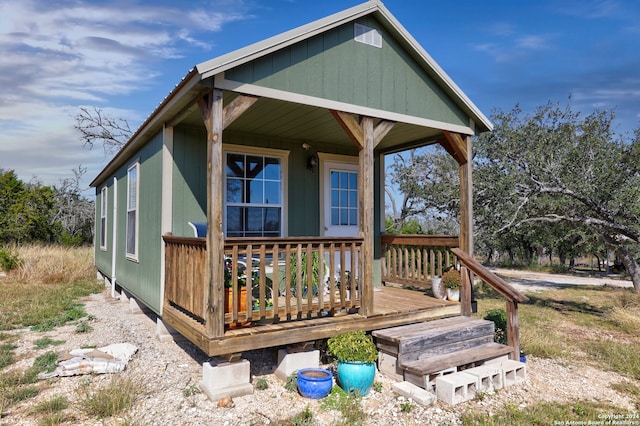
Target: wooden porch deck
<point>392,307</point>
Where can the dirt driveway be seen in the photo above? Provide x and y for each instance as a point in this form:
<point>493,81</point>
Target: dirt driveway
<point>538,281</point>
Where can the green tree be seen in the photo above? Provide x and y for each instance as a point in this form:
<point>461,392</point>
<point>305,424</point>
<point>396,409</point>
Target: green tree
<point>26,210</point>
<point>555,167</point>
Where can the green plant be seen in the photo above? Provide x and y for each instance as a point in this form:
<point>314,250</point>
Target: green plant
<point>45,342</point>
<point>353,346</point>
<point>315,272</point>
<point>451,279</point>
<point>499,318</point>
<point>115,398</point>
<point>348,404</point>
<point>406,407</point>
<point>46,362</point>
<point>9,259</point>
<point>303,418</point>
<point>51,410</point>
<point>228,273</point>
<point>6,354</point>
<point>83,327</point>
<point>292,382</point>
<point>377,387</point>
<point>262,384</point>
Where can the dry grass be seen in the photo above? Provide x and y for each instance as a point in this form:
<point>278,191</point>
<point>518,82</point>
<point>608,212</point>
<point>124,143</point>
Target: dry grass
<point>44,289</point>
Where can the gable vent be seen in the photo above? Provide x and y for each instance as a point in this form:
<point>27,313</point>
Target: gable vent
<point>367,35</point>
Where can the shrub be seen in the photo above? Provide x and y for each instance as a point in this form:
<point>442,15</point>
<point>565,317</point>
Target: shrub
<point>499,318</point>
<point>9,259</point>
<point>353,346</point>
<point>451,279</point>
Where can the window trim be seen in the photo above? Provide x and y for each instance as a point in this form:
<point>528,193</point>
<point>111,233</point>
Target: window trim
<point>133,256</point>
<point>283,155</point>
<point>103,218</point>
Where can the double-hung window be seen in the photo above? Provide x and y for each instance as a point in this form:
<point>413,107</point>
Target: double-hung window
<point>254,192</point>
<point>103,218</point>
<point>132,210</point>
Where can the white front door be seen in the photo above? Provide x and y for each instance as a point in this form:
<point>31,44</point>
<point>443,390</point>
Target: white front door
<point>340,198</point>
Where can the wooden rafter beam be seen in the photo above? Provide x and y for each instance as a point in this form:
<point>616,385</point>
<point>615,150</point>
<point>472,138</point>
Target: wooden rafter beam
<point>351,126</point>
<point>455,145</point>
<point>230,113</point>
<point>382,129</point>
<point>236,108</point>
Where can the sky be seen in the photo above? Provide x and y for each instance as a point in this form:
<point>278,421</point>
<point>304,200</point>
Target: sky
<point>125,56</point>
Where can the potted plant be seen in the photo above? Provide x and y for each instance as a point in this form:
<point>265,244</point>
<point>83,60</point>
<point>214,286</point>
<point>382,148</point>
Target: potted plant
<point>451,281</point>
<point>228,286</point>
<point>356,354</point>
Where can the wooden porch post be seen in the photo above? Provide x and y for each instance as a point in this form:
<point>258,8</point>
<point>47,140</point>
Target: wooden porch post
<point>466,201</point>
<point>366,175</point>
<point>211,108</point>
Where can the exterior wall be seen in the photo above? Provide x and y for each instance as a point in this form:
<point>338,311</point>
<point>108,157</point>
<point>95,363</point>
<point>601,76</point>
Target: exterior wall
<point>189,185</point>
<point>141,277</point>
<point>334,66</point>
<point>189,178</point>
<point>102,258</point>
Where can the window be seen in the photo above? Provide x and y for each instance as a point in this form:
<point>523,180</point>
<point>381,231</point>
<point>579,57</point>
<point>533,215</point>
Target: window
<point>253,195</point>
<point>132,211</point>
<point>103,218</point>
<point>344,198</point>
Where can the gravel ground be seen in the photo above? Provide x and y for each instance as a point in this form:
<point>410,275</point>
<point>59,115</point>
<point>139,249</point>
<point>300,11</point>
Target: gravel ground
<point>170,372</point>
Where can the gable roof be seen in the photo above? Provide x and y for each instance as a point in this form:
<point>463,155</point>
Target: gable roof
<point>180,100</point>
<point>241,56</point>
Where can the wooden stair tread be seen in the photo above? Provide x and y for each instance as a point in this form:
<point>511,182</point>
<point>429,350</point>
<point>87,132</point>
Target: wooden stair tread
<point>422,329</point>
<point>433,364</point>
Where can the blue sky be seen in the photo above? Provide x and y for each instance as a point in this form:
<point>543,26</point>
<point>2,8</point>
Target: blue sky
<point>125,56</point>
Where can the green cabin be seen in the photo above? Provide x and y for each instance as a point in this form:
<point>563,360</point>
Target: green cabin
<point>247,211</point>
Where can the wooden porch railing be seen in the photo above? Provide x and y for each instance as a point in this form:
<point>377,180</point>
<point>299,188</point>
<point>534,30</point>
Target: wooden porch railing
<point>470,265</point>
<point>281,284</point>
<point>414,259</point>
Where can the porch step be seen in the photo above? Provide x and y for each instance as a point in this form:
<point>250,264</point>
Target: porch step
<point>429,339</point>
<point>421,352</point>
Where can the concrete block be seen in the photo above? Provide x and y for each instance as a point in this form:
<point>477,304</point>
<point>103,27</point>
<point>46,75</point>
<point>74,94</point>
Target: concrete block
<point>456,388</point>
<point>290,362</point>
<point>388,365</point>
<point>166,333</point>
<point>428,381</point>
<point>490,377</point>
<point>514,372</point>
<point>134,307</point>
<point>123,296</point>
<point>417,394</point>
<point>221,378</point>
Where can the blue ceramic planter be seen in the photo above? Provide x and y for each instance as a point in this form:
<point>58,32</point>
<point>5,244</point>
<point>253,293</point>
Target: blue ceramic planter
<point>356,376</point>
<point>314,383</point>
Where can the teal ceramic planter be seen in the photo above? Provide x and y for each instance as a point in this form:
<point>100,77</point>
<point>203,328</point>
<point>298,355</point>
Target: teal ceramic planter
<point>356,376</point>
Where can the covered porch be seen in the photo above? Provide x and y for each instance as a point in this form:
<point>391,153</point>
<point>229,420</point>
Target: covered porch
<point>282,299</point>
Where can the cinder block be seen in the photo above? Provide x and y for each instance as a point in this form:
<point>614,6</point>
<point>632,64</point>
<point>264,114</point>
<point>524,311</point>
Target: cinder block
<point>456,388</point>
<point>428,381</point>
<point>221,378</point>
<point>290,362</point>
<point>388,365</point>
<point>419,395</point>
<point>513,372</point>
<point>490,377</point>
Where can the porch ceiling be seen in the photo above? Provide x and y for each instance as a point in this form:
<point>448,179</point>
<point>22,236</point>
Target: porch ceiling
<point>294,121</point>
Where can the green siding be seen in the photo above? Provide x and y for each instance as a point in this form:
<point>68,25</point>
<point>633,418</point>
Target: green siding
<point>142,277</point>
<point>189,187</point>
<point>103,257</point>
<point>334,66</point>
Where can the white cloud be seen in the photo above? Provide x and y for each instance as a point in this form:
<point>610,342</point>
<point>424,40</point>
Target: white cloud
<point>57,54</point>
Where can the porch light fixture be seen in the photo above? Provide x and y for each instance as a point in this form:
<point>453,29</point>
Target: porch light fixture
<point>312,162</point>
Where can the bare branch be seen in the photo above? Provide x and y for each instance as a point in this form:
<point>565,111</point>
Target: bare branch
<point>96,127</point>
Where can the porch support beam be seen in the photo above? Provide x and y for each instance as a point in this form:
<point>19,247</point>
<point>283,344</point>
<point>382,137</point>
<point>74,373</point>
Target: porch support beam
<point>456,146</point>
<point>237,107</point>
<point>466,201</point>
<point>366,185</point>
<point>211,108</point>
<point>351,126</point>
